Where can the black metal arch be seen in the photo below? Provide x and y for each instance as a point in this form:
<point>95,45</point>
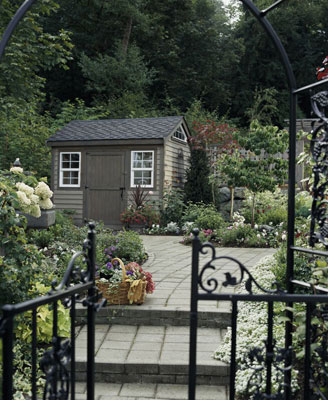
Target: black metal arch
<point>13,23</point>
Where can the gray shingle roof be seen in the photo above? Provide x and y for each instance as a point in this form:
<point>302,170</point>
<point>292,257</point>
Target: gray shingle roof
<point>109,129</point>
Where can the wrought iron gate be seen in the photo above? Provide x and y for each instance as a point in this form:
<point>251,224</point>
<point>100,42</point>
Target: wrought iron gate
<point>57,362</point>
<point>269,359</point>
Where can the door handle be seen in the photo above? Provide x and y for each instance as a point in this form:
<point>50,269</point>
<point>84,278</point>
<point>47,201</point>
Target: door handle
<point>122,189</point>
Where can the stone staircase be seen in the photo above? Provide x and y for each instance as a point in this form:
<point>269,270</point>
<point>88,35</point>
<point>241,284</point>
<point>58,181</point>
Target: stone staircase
<point>153,358</point>
<point>142,352</point>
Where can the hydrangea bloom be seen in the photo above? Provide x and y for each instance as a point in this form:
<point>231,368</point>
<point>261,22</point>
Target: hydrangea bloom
<point>43,191</point>
<point>46,204</point>
<point>32,199</point>
<point>25,188</point>
<point>23,199</point>
<point>16,170</point>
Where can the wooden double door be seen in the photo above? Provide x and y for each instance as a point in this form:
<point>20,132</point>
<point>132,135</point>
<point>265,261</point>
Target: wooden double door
<point>105,187</point>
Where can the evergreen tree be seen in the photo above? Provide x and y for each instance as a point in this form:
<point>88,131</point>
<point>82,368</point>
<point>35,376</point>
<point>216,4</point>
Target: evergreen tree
<point>197,187</point>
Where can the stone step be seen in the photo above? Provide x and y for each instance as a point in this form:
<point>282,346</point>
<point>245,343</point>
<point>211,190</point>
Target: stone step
<point>148,315</point>
<point>149,391</point>
<point>151,354</point>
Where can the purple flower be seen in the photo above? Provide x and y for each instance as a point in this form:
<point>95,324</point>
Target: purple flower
<point>109,265</point>
<point>117,240</point>
<point>129,272</point>
<point>113,248</point>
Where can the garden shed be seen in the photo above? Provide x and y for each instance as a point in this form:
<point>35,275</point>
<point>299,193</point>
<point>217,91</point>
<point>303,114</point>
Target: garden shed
<point>97,163</point>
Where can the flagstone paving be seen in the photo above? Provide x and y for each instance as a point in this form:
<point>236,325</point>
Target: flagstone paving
<point>142,352</point>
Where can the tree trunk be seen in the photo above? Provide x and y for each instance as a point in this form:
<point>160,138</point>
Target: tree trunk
<point>126,37</point>
<point>232,199</point>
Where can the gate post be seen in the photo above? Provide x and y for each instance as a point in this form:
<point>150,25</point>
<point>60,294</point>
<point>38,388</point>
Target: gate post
<point>91,314</point>
<point>193,315</point>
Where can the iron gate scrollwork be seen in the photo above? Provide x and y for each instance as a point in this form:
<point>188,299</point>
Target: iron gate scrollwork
<point>271,362</point>
<point>57,362</point>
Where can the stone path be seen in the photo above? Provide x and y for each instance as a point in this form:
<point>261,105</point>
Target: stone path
<point>143,351</point>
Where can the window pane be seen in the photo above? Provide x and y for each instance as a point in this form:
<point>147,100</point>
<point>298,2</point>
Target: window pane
<point>137,164</point>
<point>66,164</point>
<point>147,156</point>
<point>137,156</point>
<point>66,157</point>
<point>147,164</point>
<point>138,174</point>
<point>75,157</point>
<point>146,174</point>
<point>75,164</point>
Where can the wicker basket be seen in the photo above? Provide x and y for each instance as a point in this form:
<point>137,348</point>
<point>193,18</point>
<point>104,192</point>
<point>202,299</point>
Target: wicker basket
<point>124,292</point>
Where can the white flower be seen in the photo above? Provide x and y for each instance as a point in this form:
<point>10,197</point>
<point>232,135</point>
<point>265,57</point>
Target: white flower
<point>43,191</point>
<point>256,226</point>
<point>46,204</point>
<point>25,188</point>
<point>34,210</point>
<point>258,236</point>
<point>283,236</point>
<point>34,199</point>
<point>24,201</point>
<point>16,170</point>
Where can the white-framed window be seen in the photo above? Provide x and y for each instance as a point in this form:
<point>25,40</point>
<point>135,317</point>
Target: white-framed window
<point>69,169</point>
<point>142,168</point>
<point>180,134</point>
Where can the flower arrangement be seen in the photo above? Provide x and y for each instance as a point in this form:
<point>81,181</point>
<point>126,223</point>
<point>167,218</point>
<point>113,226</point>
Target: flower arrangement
<point>115,277</point>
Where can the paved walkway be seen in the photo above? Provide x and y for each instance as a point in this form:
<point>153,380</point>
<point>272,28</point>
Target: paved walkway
<point>143,351</point>
<point>170,264</point>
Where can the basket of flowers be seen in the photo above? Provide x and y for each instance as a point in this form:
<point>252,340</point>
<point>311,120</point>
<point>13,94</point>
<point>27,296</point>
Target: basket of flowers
<point>124,284</point>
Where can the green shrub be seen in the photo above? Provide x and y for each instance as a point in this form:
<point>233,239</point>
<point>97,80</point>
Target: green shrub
<point>173,206</point>
<point>270,207</point>
<point>303,204</point>
<point>238,236</point>
<point>273,216</point>
<point>126,245</point>
<point>204,216</point>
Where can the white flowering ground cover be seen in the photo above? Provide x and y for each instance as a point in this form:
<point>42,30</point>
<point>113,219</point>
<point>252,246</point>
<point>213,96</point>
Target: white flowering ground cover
<point>252,332</point>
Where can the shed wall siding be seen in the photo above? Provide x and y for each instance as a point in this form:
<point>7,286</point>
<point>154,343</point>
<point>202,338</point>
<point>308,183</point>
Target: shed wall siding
<point>174,166</point>
<point>66,199</point>
<point>71,200</point>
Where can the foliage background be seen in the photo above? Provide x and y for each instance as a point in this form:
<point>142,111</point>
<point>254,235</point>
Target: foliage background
<point>146,58</point>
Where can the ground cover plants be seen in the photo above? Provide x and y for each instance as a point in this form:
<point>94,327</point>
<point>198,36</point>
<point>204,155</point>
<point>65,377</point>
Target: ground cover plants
<point>252,319</point>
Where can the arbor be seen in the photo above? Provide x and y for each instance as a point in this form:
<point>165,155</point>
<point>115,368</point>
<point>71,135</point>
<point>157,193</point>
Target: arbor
<point>30,50</point>
<point>303,33</point>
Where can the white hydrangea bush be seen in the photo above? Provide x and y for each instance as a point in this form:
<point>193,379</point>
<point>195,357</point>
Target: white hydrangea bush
<point>252,332</point>
<point>32,200</point>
